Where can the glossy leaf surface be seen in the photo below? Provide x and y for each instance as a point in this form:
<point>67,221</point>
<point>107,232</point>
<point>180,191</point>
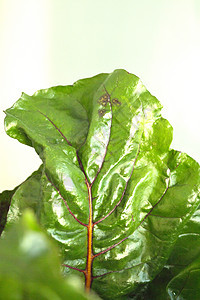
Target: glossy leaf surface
<point>30,268</point>
<point>110,191</point>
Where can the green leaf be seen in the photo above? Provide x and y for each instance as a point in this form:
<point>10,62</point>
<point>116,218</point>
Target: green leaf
<point>5,199</point>
<point>179,278</point>
<point>186,285</point>
<point>30,268</point>
<point>111,192</point>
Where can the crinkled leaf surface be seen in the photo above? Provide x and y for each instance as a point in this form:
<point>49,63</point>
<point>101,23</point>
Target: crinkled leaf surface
<point>30,268</point>
<point>110,191</point>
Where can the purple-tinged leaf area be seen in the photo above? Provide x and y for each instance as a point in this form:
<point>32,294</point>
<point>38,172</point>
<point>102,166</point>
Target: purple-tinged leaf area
<point>110,191</point>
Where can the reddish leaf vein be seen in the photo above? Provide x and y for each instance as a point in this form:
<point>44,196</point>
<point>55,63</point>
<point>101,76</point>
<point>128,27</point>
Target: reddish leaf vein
<point>70,267</point>
<point>99,170</point>
<point>65,202</point>
<point>55,127</point>
<point>124,191</point>
<point>113,246</point>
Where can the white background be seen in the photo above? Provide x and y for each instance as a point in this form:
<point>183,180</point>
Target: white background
<point>51,42</point>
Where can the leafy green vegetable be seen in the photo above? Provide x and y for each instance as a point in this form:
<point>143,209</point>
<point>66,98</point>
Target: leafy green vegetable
<point>110,191</point>
<point>30,268</point>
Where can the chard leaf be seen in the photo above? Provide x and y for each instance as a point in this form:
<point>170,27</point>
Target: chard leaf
<point>111,192</point>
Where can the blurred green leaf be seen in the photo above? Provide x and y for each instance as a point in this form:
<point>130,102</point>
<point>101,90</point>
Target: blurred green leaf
<point>30,266</point>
